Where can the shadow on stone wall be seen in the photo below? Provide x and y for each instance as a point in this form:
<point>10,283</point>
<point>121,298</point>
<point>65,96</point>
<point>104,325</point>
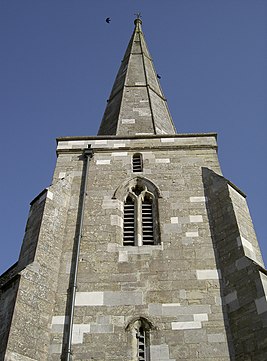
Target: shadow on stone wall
<point>242,280</point>
<point>219,211</point>
<point>8,294</point>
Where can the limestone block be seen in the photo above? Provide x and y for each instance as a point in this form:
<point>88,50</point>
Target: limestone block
<point>196,219</point>
<point>101,142</point>
<point>103,161</point>
<point>192,234</point>
<point>186,325</point>
<point>208,274</point>
<point>128,121</point>
<point>119,154</point>
<point>198,199</point>
<point>123,256</point>
<point>162,160</point>
<point>167,140</point>
<point>89,298</point>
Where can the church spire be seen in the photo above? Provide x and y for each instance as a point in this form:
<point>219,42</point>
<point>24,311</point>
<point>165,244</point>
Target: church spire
<point>136,104</point>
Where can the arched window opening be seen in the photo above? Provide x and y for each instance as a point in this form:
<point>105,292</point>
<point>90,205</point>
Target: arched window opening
<point>141,225</point>
<point>129,222</point>
<point>140,213</point>
<point>147,221</point>
<point>137,163</point>
<point>139,338</point>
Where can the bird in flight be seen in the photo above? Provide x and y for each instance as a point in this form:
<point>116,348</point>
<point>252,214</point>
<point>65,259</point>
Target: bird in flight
<point>108,20</point>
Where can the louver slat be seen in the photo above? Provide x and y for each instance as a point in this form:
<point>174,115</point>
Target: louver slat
<point>137,163</point>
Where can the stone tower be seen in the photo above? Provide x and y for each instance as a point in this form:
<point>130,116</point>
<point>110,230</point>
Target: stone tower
<point>140,249</point>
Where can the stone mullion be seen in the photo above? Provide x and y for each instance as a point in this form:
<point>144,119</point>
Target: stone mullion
<point>139,233</point>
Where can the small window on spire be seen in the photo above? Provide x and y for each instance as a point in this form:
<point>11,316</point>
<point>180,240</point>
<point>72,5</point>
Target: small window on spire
<point>137,163</point>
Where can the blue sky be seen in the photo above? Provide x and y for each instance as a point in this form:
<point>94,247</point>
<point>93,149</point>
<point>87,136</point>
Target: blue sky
<point>59,60</point>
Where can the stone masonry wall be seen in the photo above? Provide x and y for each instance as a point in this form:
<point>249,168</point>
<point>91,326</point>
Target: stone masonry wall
<point>189,289</point>
<point>243,279</point>
<point>30,328</point>
<point>174,285</point>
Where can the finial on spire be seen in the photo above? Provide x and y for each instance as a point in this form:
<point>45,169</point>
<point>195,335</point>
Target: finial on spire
<point>138,18</point>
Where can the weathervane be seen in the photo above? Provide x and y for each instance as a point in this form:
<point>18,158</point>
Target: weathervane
<point>138,15</point>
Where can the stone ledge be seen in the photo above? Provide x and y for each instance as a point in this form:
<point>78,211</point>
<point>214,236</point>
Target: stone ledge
<point>156,147</point>
<point>154,136</point>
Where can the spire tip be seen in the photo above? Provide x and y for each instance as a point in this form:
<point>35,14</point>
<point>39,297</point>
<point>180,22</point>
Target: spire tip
<point>138,19</point>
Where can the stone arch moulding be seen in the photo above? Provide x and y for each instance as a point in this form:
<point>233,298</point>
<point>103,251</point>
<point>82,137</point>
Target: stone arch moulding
<point>123,189</point>
<point>146,323</point>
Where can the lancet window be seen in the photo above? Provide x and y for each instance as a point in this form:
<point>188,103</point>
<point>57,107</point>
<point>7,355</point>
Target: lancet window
<point>139,338</point>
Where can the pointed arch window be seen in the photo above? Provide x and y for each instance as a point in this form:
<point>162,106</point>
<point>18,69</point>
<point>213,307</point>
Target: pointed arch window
<point>140,216</point>
<point>137,163</point>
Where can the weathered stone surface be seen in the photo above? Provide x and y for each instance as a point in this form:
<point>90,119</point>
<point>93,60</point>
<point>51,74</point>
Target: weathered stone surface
<point>136,104</point>
<point>243,286</point>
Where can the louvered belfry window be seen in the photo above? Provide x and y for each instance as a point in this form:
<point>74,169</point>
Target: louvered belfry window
<point>141,345</point>
<point>129,222</point>
<point>147,222</point>
<point>140,226</point>
<point>137,163</point>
